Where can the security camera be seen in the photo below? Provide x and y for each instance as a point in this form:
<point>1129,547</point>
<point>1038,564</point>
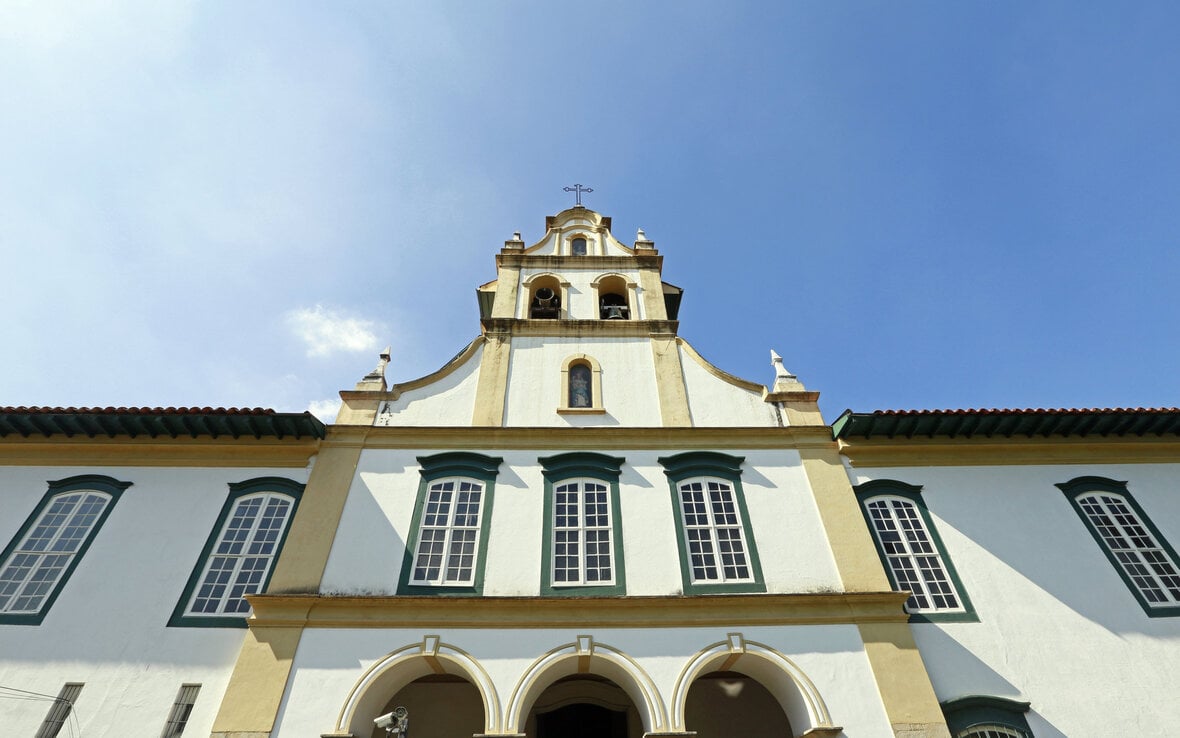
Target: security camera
<point>384,721</point>
<point>396,722</point>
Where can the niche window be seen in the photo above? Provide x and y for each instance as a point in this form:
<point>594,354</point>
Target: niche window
<point>912,551</point>
<point>48,547</point>
<point>1140,554</point>
<point>578,246</point>
<point>581,386</point>
<point>451,522</point>
<point>239,555</point>
<point>582,548</point>
<point>717,551</point>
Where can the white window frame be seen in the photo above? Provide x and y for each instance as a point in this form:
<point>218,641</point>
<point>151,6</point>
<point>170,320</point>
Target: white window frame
<point>581,531</point>
<point>260,552</point>
<point>182,708</point>
<point>60,711</point>
<point>420,571</point>
<point>919,566</point>
<point>709,532</point>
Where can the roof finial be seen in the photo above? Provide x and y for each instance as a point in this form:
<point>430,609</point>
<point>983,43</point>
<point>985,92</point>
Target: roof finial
<point>377,376</point>
<point>784,381</point>
<point>577,190</point>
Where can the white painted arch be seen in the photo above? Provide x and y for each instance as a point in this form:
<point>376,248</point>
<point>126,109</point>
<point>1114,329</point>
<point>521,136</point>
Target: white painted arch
<point>785,681</point>
<point>398,668</point>
<point>590,657</point>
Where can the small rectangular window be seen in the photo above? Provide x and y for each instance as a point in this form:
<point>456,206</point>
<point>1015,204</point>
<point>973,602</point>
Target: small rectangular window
<point>181,709</point>
<point>60,711</point>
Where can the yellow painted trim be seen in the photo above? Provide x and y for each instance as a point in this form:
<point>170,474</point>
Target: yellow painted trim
<point>126,451</point>
<point>558,438</point>
<point>653,292</point>
<point>442,373</point>
<point>799,408</point>
<point>902,680</point>
<point>720,373</point>
<point>327,611</point>
<point>259,679</point>
<point>851,543</point>
<point>309,542</point>
<point>1009,451</point>
<point>507,292</point>
<point>491,391</point>
<point>673,393</point>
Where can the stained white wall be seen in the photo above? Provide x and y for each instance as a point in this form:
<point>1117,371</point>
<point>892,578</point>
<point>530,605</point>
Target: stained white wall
<point>535,390</point>
<point>330,661</point>
<point>108,627</point>
<point>716,403</point>
<point>1058,625</point>
<point>449,401</point>
<point>374,535</point>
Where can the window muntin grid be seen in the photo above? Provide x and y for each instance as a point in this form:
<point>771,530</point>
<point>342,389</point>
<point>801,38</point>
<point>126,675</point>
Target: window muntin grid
<point>991,731</point>
<point>59,712</point>
<point>713,532</point>
<point>33,569</point>
<point>448,536</point>
<point>181,709</point>
<point>242,557</point>
<point>582,544</point>
<point>912,557</point>
<point>1148,565</point>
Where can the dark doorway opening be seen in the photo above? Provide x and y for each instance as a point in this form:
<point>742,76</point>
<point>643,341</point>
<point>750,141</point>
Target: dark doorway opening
<point>582,720</point>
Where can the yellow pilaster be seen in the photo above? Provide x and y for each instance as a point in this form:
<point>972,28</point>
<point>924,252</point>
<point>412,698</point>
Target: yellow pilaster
<point>507,287</point>
<point>902,681</point>
<point>653,295</point>
<point>256,686</point>
<point>493,380</point>
<point>670,381</point>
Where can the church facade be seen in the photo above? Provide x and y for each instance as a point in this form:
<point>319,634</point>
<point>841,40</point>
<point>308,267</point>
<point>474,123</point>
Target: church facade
<point>577,527</point>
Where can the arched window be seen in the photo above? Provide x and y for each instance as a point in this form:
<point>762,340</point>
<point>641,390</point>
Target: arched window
<point>984,716</point>
<point>239,556</point>
<point>583,543</point>
<point>613,301</point>
<point>36,565</point>
<point>581,385</point>
<point>1139,552</point>
<point>912,551</point>
<point>578,246</point>
<point>545,293</point>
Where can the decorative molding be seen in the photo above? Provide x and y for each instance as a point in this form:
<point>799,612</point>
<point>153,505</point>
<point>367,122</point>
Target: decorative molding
<point>487,438</point>
<point>1008,451</point>
<point>198,452</point>
<point>438,613</point>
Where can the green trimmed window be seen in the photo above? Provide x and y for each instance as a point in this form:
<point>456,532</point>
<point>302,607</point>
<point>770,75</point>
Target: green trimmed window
<point>1140,554</point>
<point>451,521</point>
<point>982,716</point>
<point>582,548</point>
<point>912,551</point>
<point>239,555</point>
<point>717,551</point>
<point>48,547</point>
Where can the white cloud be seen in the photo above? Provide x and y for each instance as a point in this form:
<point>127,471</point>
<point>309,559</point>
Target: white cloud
<point>327,331</point>
<point>325,410</point>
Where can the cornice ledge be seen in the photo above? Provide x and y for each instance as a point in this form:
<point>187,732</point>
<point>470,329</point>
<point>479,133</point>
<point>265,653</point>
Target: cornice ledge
<point>528,437</point>
<point>1008,451</point>
<point>347,611</point>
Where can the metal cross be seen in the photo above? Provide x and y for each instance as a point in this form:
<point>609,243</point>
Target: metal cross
<point>577,190</point>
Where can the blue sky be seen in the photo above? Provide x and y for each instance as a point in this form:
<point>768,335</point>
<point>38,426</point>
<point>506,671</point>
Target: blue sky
<point>919,205</point>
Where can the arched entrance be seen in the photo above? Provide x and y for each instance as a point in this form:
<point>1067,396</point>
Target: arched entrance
<point>583,706</point>
<point>729,703</point>
<point>440,706</point>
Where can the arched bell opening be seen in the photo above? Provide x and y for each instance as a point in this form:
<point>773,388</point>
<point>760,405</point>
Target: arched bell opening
<point>728,703</point>
<point>584,706</point>
<point>438,706</point>
<point>544,298</point>
<point>613,298</point>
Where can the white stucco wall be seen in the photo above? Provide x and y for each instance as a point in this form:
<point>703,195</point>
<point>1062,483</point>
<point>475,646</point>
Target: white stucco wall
<point>449,401</point>
<point>329,663</point>
<point>108,627</point>
<point>374,536</point>
<point>535,391</point>
<point>716,403</point>
<point>1058,626</point>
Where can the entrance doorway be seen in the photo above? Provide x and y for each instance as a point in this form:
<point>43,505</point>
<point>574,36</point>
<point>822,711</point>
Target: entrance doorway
<point>582,720</point>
